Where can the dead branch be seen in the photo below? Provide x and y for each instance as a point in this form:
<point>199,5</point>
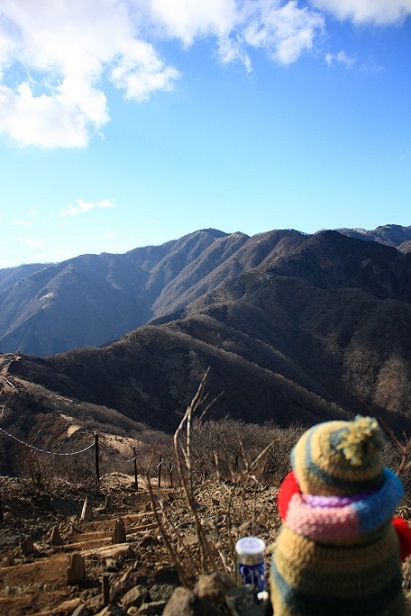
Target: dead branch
<point>187,481</point>
<point>167,542</point>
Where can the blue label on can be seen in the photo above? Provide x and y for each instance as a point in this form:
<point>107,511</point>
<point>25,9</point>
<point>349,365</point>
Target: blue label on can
<point>253,574</point>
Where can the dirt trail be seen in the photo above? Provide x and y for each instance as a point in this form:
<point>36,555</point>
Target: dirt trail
<point>37,583</point>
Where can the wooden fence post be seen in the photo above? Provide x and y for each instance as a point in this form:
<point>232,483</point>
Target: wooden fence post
<point>106,588</point>
<point>135,468</point>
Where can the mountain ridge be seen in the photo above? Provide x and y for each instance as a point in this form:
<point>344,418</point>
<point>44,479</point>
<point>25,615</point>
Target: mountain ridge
<point>92,299</point>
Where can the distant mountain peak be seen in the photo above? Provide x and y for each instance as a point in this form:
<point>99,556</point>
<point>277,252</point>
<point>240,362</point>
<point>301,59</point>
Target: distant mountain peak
<point>389,234</point>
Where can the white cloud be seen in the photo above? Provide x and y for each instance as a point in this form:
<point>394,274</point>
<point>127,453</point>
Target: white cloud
<point>381,12</point>
<point>190,19</point>
<point>231,50</point>
<point>140,73</point>
<point>85,206</point>
<point>62,53</point>
<point>50,120</point>
<point>340,57</point>
<point>285,32</point>
<point>281,28</point>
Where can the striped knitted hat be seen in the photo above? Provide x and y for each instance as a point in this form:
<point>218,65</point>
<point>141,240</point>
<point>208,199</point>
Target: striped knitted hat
<point>340,458</point>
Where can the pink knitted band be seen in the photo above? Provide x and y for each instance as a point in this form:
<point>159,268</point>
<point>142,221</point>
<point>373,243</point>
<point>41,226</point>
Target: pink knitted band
<point>321,523</point>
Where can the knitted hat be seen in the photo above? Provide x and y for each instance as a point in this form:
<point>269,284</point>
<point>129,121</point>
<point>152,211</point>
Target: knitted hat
<point>340,458</point>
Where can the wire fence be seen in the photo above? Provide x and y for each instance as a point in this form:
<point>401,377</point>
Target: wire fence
<point>99,451</point>
<point>39,450</point>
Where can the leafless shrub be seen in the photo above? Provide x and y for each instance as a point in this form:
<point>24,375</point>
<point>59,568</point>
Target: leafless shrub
<point>242,450</point>
<point>45,470</point>
<point>221,449</point>
<point>32,467</point>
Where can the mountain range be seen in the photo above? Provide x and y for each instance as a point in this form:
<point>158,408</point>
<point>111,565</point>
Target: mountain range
<point>293,327</point>
<point>93,299</point>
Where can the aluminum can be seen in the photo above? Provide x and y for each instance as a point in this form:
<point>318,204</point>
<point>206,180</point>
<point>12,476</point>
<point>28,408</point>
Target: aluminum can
<point>250,561</point>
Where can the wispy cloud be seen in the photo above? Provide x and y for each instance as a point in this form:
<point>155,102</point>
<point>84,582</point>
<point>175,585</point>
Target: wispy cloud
<point>379,12</point>
<point>283,31</point>
<point>80,207</point>
<point>281,28</point>
<point>231,50</point>
<point>341,58</point>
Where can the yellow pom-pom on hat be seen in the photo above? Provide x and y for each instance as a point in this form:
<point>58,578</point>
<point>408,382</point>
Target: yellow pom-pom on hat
<point>361,439</point>
<point>340,457</point>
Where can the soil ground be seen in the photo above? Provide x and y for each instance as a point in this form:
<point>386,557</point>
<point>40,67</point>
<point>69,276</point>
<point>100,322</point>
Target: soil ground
<point>34,581</point>
<point>33,572</point>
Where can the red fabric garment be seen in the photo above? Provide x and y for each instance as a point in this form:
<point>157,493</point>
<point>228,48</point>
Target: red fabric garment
<point>404,535</point>
<point>288,487</point>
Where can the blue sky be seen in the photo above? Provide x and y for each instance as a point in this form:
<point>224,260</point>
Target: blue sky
<point>126,123</point>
